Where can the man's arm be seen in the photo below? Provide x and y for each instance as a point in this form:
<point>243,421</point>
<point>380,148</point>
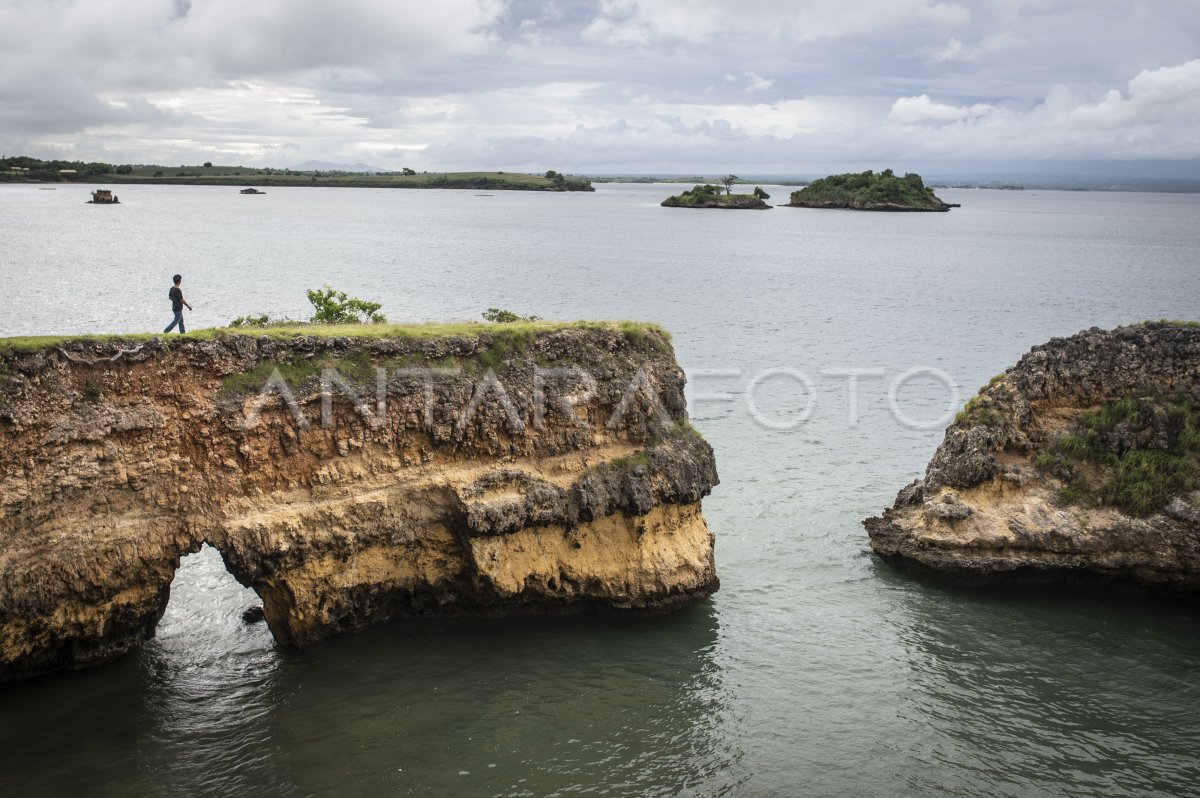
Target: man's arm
<point>184,301</point>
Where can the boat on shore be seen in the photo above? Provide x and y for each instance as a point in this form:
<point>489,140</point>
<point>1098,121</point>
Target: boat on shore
<point>103,196</point>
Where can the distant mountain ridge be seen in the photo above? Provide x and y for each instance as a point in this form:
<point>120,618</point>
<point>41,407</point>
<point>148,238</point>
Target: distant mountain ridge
<point>325,166</point>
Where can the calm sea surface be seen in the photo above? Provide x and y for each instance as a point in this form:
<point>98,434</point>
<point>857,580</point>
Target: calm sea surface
<point>816,670</point>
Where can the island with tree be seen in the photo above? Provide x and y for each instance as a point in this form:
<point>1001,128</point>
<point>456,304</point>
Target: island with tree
<point>868,191</point>
<point>710,196</point>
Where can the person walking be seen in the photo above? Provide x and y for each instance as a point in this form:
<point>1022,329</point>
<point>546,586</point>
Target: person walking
<point>177,304</point>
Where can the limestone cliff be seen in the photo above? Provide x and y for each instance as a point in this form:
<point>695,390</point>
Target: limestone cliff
<point>1079,463</point>
<point>345,479</point>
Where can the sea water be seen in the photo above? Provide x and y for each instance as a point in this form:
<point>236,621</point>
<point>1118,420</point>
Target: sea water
<point>826,351</point>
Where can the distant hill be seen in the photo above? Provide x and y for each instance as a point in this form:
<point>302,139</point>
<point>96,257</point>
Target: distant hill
<point>325,166</point>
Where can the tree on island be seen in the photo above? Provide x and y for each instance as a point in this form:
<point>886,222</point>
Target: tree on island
<point>728,181</point>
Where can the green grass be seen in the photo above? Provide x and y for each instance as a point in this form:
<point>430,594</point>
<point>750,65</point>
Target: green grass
<point>1140,480</point>
<point>356,369</point>
<point>1178,323</point>
<point>1109,416</point>
<point>504,344</point>
<point>974,414</point>
<point>633,330</point>
<point>629,462</point>
<point>1145,481</point>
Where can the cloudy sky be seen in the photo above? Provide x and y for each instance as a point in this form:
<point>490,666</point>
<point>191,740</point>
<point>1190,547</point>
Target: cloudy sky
<point>658,86</point>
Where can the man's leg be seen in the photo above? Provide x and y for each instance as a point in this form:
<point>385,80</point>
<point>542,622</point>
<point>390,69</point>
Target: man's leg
<point>177,320</point>
<point>181,330</point>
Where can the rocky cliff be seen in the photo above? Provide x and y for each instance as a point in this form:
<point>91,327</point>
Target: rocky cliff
<point>347,480</point>
<point>1082,461</point>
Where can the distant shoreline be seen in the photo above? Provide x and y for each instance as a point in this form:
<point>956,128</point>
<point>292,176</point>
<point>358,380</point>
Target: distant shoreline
<point>257,181</point>
<point>21,169</point>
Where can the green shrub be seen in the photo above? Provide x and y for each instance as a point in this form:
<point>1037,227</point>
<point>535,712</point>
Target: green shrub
<point>697,195</point>
<point>334,307</point>
<point>263,320</point>
<point>501,316</point>
<point>974,414</point>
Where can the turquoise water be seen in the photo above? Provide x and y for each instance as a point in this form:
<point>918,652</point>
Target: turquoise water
<point>816,670</point>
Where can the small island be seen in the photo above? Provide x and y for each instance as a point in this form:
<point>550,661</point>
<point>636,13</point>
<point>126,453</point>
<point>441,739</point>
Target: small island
<point>710,196</point>
<point>868,191</point>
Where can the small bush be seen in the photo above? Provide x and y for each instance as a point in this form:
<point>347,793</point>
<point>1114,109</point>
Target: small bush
<point>263,320</point>
<point>334,307</point>
<point>974,414</point>
<point>501,316</point>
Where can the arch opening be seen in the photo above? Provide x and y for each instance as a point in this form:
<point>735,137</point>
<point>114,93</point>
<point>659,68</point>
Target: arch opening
<point>209,616</point>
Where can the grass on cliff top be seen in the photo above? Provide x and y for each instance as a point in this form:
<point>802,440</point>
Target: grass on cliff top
<point>1178,323</point>
<point>634,330</point>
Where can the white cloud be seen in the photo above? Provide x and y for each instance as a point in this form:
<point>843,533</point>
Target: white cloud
<point>667,85</point>
<point>757,82</point>
<point>1166,96</point>
<point>915,110</point>
<point>955,50</point>
<point>1158,117</point>
<point>752,82</point>
<point>640,22</point>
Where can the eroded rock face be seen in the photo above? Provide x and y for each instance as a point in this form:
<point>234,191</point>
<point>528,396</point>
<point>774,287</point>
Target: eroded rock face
<point>1026,483</point>
<point>553,473</point>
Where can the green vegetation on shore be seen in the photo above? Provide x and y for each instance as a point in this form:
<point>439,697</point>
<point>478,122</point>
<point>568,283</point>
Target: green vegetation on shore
<point>710,196</point>
<point>23,169</point>
<point>868,191</point>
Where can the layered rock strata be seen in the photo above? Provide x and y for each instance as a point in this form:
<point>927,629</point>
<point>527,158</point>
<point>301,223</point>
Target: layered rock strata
<point>1079,463</point>
<point>346,480</point>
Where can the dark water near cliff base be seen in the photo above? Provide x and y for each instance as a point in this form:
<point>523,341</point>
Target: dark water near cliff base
<point>817,670</point>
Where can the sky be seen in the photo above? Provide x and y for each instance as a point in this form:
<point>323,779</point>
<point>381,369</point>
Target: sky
<point>608,86</point>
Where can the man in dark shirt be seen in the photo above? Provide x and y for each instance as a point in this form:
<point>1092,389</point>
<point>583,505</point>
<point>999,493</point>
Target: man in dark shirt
<point>177,304</point>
